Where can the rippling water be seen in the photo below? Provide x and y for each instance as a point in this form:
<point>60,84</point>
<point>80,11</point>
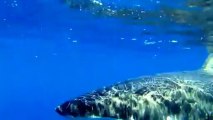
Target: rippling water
<point>191,19</point>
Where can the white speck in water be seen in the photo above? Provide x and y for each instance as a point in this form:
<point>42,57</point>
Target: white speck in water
<point>122,38</point>
<point>97,2</point>
<point>146,42</point>
<point>187,48</point>
<point>157,1</point>
<point>70,29</point>
<point>174,41</point>
<point>142,11</point>
<point>36,56</point>
<point>160,41</point>
<point>74,41</point>
<point>14,3</point>
<point>68,38</point>
<point>133,39</point>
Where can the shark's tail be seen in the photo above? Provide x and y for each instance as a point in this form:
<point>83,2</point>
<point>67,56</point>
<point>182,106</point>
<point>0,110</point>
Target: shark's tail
<point>208,65</point>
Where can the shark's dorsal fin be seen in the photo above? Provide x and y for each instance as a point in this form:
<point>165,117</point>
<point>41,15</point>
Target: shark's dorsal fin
<point>208,65</point>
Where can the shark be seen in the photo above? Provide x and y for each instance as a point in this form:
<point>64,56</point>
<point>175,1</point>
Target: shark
<point>184,95</point>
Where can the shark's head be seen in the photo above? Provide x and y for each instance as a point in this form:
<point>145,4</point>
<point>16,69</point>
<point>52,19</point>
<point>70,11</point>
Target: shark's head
<point>108,102</point>
<point>78,108</point>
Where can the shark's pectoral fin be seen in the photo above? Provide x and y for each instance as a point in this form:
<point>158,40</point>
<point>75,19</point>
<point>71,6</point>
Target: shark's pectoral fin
<point>208,65</point>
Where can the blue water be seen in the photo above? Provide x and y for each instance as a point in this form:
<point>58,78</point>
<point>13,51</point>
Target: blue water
<point>50,53</point>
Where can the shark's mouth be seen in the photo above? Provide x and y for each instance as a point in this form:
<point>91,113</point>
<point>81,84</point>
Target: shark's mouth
<point>78,108</point>
<point>63,109</point>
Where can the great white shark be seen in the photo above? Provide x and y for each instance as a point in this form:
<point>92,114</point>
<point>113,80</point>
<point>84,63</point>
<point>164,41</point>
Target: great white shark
<point>186,95</point>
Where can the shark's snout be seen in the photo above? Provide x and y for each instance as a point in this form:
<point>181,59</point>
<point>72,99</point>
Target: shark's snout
<point>77,108</point>
<point>63,109</point>
<point>59,110</point>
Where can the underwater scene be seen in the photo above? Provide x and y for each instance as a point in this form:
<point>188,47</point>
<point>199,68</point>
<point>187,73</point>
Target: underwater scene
<point>106,59</point>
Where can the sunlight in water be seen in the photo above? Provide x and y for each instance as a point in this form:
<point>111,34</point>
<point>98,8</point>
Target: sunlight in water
<point>191,13</point>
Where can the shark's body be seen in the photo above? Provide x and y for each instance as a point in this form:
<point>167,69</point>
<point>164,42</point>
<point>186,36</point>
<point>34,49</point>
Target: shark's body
<point>169,96</point>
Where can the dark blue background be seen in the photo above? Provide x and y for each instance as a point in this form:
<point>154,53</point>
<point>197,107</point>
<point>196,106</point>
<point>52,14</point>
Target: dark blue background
<point>41,65</point>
